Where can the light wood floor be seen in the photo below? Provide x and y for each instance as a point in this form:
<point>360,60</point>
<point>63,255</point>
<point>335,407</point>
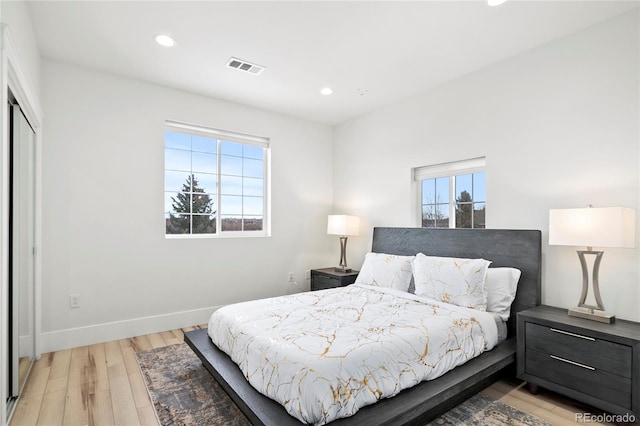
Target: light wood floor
<point>102,385</point>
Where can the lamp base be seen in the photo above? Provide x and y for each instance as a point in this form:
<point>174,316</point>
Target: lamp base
<point>343,270</point>
<point>592,314</point>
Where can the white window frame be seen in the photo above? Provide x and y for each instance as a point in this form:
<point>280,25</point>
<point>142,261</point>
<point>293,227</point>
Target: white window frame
<point>228,136</point>
<point>450,170</point>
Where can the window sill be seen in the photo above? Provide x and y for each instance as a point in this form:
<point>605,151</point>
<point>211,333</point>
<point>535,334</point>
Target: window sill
<point>216,236</point>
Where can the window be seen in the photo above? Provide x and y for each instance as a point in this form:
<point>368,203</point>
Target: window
<point>452,195</point>
<point>215,182</point>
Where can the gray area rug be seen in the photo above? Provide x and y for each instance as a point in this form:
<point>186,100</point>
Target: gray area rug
<point>481,410</point>
<point>182,390</point>
<point>184,393</point>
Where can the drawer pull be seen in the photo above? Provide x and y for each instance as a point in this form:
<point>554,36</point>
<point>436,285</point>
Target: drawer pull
<point>572,334</point>
<point>573,362</point>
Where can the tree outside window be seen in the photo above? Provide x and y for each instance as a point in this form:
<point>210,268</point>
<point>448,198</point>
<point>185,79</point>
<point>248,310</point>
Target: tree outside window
<point>192,210</point>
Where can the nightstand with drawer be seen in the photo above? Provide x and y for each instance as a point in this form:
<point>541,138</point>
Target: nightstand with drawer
<point>329,278</point>
<point>592,362</point>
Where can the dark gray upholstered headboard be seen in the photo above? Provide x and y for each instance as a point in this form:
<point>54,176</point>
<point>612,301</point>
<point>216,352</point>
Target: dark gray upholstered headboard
<point>519,249</point>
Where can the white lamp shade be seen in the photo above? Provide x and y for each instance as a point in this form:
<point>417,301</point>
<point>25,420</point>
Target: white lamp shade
<point>593,227</point>
<point>342,224</point>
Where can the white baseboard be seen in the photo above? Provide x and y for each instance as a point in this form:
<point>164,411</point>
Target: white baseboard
<point>52,341</point>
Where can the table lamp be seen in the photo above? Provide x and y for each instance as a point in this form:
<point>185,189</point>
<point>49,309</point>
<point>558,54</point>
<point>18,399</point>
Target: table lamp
<point>599,227</point>
<point>343,225</point>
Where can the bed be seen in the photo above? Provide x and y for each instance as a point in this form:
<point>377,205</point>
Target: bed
<point>513,248</point>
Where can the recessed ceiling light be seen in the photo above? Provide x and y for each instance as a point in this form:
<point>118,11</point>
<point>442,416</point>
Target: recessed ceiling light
<point>495,2</point>
<point>326,91</point>
<point>165,40</point>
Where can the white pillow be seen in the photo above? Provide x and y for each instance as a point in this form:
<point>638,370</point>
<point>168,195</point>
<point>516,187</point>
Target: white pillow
<point>501,284</point>
<point>386,270</point>
<point>452,280</point>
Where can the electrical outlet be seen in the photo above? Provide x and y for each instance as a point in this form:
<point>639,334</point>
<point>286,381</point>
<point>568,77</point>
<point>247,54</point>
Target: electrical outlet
<point>74,301</point>
<point>291,277</point>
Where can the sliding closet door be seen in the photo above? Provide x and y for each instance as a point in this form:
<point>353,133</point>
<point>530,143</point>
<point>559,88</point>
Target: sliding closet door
<point>22,225</point>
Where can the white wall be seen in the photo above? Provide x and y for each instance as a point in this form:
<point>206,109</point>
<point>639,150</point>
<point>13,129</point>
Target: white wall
<point>559,128</point>
<point>103,222</point>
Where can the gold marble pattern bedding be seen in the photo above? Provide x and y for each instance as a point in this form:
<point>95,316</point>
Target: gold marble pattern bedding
<point>325,354</point>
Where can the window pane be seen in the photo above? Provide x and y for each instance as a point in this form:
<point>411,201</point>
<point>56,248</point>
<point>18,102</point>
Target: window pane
<point>464,215</point>
<point>205,182</point>
<point>428,216</point>
<point>252,223</point>
<point>253,168</point>
<point>205,163</point>
<point>230,185</point>
<point>177,140</point>
<point>250,151</point>
<point>202,144</point>
<point>230,205</point>
<point>175,159</point>
<point>231,165</point>
<point>231,223</point>
<point>231,148</point>
<point>442,216</point>
<point>177,202</point>
<point>428,191</point>
<point>177,224</point>
<point>203,224</point>
<point>252,206</point>
<point>196,186</point>
<point>442,190</point>
<point>202,203</point>
<point>479,187</point>
<point>176,181</point>
<point>251,186</point>
<point>479,214</point>
<point>464,188</point>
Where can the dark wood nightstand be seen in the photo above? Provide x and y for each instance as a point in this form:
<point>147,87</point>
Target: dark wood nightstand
<point>330,278</point>
<point>592,362</point>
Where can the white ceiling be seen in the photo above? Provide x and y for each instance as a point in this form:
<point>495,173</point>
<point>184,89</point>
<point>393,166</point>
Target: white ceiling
<point>370,52</point>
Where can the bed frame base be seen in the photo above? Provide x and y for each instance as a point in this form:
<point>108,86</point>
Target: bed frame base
<point>416,405</point>
<point>516,248</point>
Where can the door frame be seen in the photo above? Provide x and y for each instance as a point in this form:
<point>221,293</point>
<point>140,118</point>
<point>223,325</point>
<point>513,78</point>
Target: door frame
<point>13,76</point>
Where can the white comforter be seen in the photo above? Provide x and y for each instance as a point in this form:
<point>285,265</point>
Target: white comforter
<point>325,354</point>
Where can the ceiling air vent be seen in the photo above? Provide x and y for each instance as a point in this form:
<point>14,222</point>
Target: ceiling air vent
<point>245,66</point>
